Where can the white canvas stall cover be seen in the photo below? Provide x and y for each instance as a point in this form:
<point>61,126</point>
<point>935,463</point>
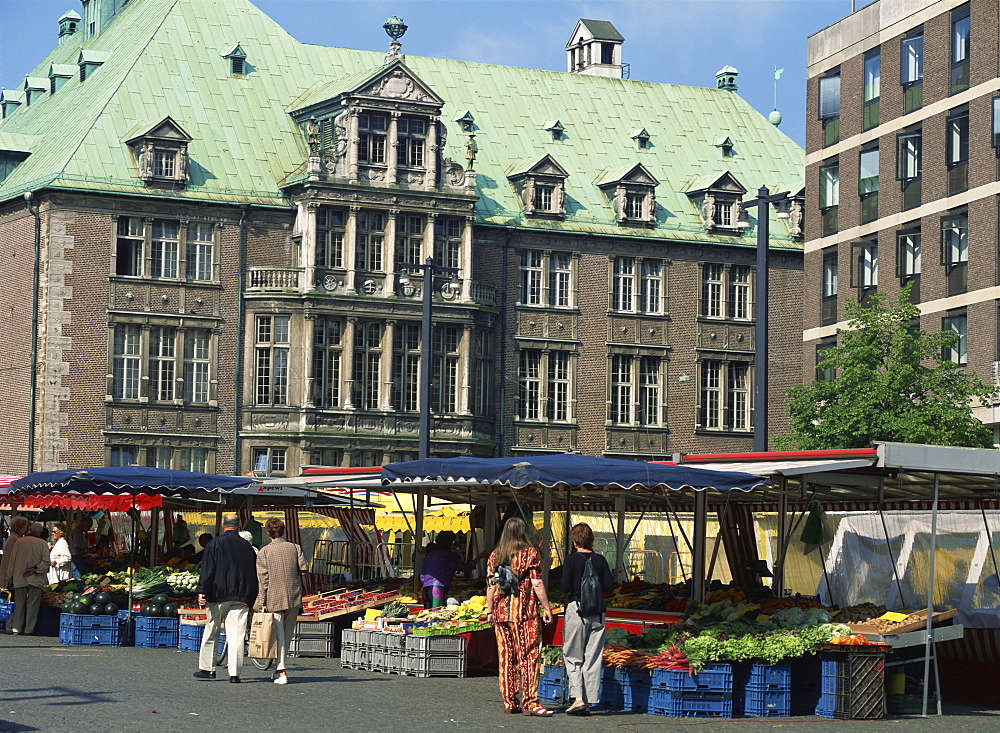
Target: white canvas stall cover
<point>884,559</point>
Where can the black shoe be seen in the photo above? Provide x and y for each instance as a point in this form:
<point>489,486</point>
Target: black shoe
<point>204,674</point>
<point>234,679</point>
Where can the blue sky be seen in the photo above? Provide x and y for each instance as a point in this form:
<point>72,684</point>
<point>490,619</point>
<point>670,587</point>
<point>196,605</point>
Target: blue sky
<point>672,41</point>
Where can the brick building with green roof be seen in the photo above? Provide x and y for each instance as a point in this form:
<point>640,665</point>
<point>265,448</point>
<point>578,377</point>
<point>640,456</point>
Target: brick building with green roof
<point>208,227</point>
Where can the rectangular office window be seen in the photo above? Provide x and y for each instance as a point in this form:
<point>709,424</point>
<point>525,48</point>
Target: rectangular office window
<point>129,246</point>
<point>829,196</point>
<point>651,286</point>
<point>957,150</point>
<point>197,364</point>
<point>711,290</point>
<point>710,416</point>
<point>200,251</point>
<point>955,251</point>
<point>558,385</point>
<point>825,372</point>
<point>328,334</point>
<point>531,277</point>
<point>126,362</point>
<point>908,253</point>
<point>272,344</point>
<point>872,90</point>
<point>958,352</point>
<point>868,184</point>
<point>830,285</point>
<point>909,166</point>
<point>530,385</point>
<point>829,107</point>
<point>911,70</point>
<point>623,286</point>
<point>864,265</point>
<point>330,237</point>
<point>996,122</point>
<point>960,49</point>
<point>165,249</point>
<point>621,389</point>
<point>367,365</point>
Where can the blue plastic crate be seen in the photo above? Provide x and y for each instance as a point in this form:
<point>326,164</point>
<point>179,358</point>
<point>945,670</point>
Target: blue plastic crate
<point>6,609</point>
<point>85,630</point>
<point>636,698</point>
<point>632,677</point>
<point>715,677</point>
<point>153,632</point>
<point>612,695</point>
<point>156,623</point>
<point>690,703</point>
<point>763,703</point>
<point>777,676</point>
<point>551,692</point>
<point>553,673</point>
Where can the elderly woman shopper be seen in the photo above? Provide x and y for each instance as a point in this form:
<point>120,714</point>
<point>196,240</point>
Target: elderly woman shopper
<point>60,557</point>
<point>512,600</point>
<point>280,566</point>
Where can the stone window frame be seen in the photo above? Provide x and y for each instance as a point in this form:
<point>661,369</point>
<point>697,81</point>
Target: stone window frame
<point>640,283</point>
<point>544,174</point>
<point>185,254</point>
<point>727,286</point>
<point>550,279</point>
<point>544,407</point>
<point>724,410</point>
<point>636,387</point>
<point>720,202</point>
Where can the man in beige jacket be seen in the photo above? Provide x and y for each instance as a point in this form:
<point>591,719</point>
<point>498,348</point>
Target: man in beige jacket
<point>27,574</point>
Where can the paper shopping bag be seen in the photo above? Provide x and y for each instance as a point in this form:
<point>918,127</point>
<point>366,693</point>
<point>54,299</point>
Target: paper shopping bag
<point>263,637</point>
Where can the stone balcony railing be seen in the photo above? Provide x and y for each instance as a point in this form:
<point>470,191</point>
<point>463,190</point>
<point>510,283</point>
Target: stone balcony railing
<point>274,278</point>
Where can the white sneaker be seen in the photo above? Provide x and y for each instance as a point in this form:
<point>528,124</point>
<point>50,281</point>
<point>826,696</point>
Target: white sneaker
<point>281,679</point>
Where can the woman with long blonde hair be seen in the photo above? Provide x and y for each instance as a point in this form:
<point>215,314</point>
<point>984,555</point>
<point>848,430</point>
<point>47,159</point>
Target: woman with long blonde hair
<point>512,602</point>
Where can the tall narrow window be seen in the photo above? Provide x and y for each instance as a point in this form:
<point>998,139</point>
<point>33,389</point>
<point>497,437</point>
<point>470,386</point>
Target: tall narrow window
<point>558,385</point>
<point>200,252</point>
<point>868,184</point>
<point>272,344</point>
<point>329,238</point>
<point>960,49</point>
<point>958,352</point>
<point>530,384</point>
<point>161,363</point>
<point>621,389</point>
<point>864,265</point>
<point>955,251</point>
<point>649,390</point>
<point>370,241</point>
<point>559,278</point>
<point>909,166</point>
<point>829,196</point>
<point>830,285</point>
<point>739,292</point>
<point>829,107</point>
<point>129,249</point>
<point>623,291</point>
<point>164,163</point>
<point>996,122</point>
<point>957,150</point>
<point>711,290</point>
<point>126,362</point>
<point>367,365</point>
<point>448,241</point>
<point>911,70</point>
<point>372,134</point>
<point>406,367</point>
<point>711,395</point>
<point>872,91</point>
<point>651,288</point>
<point>825,373</point>
<point>531,277</point>
<point>412,133</point>
<point>908,256</point>
<point>484,373</point>
<point>738,396</point>
<point>197,364</point>
<point>328,334</point>
<point>444,378</point>
<point>543,197</point>
<point>165,249</point>
<point>410,240</point>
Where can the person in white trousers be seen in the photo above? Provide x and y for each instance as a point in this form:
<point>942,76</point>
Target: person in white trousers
<point>280,565</point>
<point>583,636</point>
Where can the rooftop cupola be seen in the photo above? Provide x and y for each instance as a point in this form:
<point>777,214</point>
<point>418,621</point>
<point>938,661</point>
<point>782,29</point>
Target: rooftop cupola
<point>69,24</point>
<point>595,48</point>
<point>98,13</point>
<point>725,78</point>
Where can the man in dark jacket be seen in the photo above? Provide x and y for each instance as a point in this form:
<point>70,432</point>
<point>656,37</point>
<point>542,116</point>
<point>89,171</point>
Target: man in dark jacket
<point>228,586</point>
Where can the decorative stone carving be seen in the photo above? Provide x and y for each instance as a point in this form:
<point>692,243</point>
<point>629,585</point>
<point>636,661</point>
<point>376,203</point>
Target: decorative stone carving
<point>795,218</point>
<point>708,211</point>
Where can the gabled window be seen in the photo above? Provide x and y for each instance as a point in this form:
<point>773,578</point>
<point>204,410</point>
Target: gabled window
<point>868,183</point>
<point>911,70</point>
<point>162,154</point>
<point>720,200</point>
<point>909,166</point>
<point>237,59</point>
<point>632,195</point>
<point>957,150</point>
<point>960,49</point>
<point>829,106</point>
<point>829,195</point>
<point>872,90</point>
<point>541,186</point>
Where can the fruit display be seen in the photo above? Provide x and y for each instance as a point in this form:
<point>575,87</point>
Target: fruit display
<point>183,583</point>
<point>93,604</point>
<point>859,613</point>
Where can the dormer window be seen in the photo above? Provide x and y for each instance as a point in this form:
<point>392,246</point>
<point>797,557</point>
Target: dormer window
<point>467,121</point>
<point>89,61</point>
<point>725,144</point>
<point>412,135</point>
<point>719,199</point>
<point>631,192</point>
<point>373,132</point>
<point>10,100</point>
<point>540,182</point>
<point>162,154</point>
<point>641,138</point>
<point>59,74</point>
<point>237,59</point>
<point>556,128</point>
<point>34,89</point>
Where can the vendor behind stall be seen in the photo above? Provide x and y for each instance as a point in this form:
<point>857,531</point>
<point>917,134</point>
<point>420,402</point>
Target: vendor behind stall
<point>439,566</point>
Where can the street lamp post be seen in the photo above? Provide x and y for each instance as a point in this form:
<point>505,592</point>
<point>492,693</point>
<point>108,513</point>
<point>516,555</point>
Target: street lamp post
<point>430,270</point>
<point>762,202</point>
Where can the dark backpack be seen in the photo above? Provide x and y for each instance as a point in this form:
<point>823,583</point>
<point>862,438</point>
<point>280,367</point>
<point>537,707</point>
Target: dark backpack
<point>506,580</point>
<point>591,599</point>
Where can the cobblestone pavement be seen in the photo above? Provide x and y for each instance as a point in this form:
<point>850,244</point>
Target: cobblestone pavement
<point>46,686</point>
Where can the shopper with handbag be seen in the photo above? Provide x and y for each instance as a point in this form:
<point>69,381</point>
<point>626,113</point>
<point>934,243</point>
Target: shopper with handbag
<point>280,566</point>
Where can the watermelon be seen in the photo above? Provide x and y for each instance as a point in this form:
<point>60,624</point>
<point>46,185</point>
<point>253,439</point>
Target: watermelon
<point>102,598</point>
<point>151,609</point>
<point>111,609</point>
<point>169,610</point>
<point>160,599</point>
<point>96,609</point>
<point>85,601</point>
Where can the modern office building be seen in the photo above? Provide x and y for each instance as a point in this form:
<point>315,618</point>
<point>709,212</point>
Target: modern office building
<point>903,129</point>
<point>213,238</point>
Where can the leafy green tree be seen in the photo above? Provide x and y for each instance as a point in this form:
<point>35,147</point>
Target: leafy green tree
<point>892,383</point>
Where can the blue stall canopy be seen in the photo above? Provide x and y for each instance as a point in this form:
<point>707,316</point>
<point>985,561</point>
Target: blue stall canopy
<point>126,480</point>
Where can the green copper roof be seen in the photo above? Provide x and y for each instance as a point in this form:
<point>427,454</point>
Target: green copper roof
<point>163,58</point>
<point>602,30</point>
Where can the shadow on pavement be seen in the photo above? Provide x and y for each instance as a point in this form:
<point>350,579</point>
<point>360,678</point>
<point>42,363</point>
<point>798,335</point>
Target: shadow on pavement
<point>6,725</point>
<point>56,696</point>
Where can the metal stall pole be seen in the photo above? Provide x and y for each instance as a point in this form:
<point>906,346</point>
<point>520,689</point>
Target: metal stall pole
<point>418,539</point>
<point>621,575</point>
<point>546,533</point>
<point>567,526</point>
<point>154,535</point>
<point>779,570</point>
<point>929,644</point>
<point>698,551</point>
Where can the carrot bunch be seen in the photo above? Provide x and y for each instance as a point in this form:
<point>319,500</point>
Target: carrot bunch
<point>617,655</point>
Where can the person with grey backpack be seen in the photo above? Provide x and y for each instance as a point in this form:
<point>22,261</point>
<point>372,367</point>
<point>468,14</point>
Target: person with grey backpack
<point>586,578</point>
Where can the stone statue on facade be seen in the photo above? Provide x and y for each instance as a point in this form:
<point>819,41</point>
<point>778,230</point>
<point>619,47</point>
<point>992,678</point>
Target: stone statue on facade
<point>470,151</point>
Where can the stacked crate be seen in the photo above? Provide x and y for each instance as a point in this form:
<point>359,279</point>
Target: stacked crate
<point>678,694</point>
<point>6,608</point>
<point>393,653</point>
<point>612,695</point>
<point>434,656</point>
<point>312,639</point>
<point>852,685</point>
<point>77,629</point>
<point>156,632</point>
<point>636,687</point>
<point>767,691</point>
<point>553,684</point>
